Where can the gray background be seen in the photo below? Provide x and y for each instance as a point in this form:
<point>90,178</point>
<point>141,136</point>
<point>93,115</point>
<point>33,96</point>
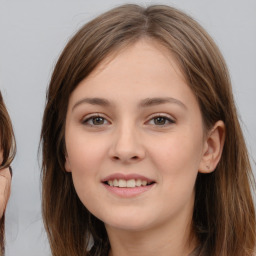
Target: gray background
<point>32,35</point>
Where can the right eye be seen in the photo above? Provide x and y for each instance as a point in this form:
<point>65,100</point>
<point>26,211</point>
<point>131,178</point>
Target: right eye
<point>95,121</point>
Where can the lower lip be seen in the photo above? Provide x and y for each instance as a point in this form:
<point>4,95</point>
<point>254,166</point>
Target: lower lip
<point>128,192</point>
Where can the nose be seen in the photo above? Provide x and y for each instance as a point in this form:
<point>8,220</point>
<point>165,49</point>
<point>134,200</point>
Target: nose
<point>127,145</point>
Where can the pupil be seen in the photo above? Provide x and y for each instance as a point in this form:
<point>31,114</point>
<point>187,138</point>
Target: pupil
<point>160,120</point>
<point>98,120</point>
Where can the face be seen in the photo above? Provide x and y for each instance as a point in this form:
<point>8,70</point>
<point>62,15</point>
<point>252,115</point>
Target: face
<point>5,185</point>
<point>135,140</point>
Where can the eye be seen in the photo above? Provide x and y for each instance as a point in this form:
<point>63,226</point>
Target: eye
<point>161,121</point>
<point>95,121</point>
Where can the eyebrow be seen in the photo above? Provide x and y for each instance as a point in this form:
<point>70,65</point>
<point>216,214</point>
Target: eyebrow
<point>93,101</point>
<point>158,101</point>
<point>148,102</point>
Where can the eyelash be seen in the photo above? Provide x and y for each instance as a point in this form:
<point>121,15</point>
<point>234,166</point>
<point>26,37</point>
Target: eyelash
<point>153,118</point>
<point>164,117</point>
<point>91,118</point>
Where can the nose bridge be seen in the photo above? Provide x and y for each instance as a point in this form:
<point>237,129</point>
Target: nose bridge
<point>127,144</point>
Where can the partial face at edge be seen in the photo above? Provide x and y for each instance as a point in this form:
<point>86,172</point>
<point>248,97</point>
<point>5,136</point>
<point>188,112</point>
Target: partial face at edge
<point>134,119</point>
<point>5,186</point>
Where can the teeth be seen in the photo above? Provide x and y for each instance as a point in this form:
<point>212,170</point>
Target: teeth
<point>115,183</point>
<point>144,183</point>
<point>122,183</point>
<point>138,183</point>
<point>127,183</point>
<point>130,183</point>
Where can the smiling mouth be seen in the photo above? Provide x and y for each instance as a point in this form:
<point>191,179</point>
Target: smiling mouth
<point>131,183</point>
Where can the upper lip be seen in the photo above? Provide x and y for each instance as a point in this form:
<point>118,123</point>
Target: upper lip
<point>119,176</point>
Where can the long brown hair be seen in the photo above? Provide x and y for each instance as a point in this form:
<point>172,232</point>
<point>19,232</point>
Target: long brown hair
<point>7,147</point>
<point>224,214</point>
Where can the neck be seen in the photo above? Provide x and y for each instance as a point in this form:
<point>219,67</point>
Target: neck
<point>161,241</point>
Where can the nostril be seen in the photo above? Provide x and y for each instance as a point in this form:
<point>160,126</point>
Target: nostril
<point>126,159</point>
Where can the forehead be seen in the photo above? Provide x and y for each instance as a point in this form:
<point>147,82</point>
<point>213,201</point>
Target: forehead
<point>139,53</point>
<point>142,69</point>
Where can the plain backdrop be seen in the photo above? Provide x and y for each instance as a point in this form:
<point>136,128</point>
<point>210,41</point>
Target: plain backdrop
<point>32,35</point>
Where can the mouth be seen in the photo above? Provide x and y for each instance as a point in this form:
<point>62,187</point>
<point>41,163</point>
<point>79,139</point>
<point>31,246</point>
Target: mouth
<point>130,183</point>
<point>127,185</point>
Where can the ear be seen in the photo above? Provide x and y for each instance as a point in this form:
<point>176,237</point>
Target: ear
<point>67,164</point>
<point>213,146</point>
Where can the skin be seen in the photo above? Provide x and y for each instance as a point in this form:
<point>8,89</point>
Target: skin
<point>128,139</point>
<point>5,187</point>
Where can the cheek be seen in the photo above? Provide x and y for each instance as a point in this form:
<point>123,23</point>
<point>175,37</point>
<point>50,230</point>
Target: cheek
<point>177,153</point>
<point>85,156</point>
<point>85,153</point>
<point>177,159</point>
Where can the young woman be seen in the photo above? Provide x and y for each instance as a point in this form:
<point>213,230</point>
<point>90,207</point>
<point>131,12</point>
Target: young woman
<point>7,151</point>
<point>143,153</point>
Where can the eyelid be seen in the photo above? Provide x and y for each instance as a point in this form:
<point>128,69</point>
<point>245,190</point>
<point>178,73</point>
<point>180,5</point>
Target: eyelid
<point>171,119</point>
<point>86,118</point>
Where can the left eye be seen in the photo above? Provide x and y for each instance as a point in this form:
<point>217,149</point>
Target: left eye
<point>95,120</point>
<point>160,121</point>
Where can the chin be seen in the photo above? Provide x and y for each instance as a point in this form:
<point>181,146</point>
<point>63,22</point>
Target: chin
<point>129,227</point>
<point>128,221</point>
